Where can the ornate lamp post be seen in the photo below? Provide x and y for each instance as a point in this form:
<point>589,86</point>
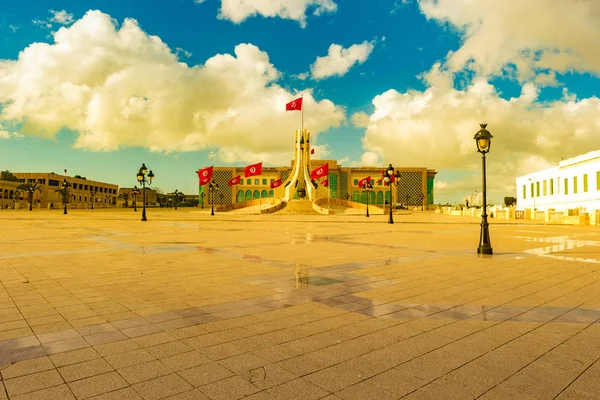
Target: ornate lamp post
<point>368,188</point>
<point>483,138</point>
<point>176,194</point>
<point>135,191</point>
<point>144,180</point>
<point>212,186</point>
<point>390,175</point>
<point>202,199</point>
<point>65,187</point>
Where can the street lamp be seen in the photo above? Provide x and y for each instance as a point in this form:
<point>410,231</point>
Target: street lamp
<point>212,186</point>
<point>65,188</point>
<point>93,197</point>
<point>368,188</point>
<point>389,176</point>
<point>176,194</point>
<point>483,138</point>
<point>135,191</point>
<point>202,199</point>
<point>144,180</point>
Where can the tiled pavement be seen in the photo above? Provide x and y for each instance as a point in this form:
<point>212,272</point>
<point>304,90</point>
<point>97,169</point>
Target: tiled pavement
<point>98,305</point>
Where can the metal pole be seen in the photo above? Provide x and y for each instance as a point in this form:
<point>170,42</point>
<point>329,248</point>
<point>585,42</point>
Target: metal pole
<point>391,220</point>
<point>144,200</point>
<point>485,246</point>
<point>367,203</point>
<point>65,198</point>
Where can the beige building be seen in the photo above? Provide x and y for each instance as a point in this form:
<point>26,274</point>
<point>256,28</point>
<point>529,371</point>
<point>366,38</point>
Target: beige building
<point>125,193</point>
<point>415,188</point>
<point>81,192</point>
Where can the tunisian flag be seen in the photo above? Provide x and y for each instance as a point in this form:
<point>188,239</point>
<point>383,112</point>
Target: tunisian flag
<point>295,105</point>
<point>234,181</point>
<point>325,183</point>
<point>205,175</point>
<point>320,172</point>
<point>364,181</point>
<point>253,170</point>
<point>276,183</point>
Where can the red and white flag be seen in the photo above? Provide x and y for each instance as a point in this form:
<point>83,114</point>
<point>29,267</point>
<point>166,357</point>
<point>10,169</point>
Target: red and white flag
<point>234,181</point>
<point>205,175</point>
<point>364,181</point>
<point>325,183</point>
<point>276,183</point>
<point>295,105</point>
<point>65,171</point>
<point>253,170</point>
<point>320,172</point>
<point>312,151</point>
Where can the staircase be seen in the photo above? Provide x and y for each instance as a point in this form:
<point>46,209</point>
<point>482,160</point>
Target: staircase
<point>298,207</point>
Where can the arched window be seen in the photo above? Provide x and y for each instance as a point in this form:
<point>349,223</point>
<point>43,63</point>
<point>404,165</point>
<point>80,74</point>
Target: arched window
<point>379,197</point>
<point>271,193</point>
<point>256,195</point>
<point>248,195</point>
<point>363,196</point>
<point>387,197</point>
<point>240,195</point>
<point>264,194</point>
<point>372,197</point>
<point>355,196</point>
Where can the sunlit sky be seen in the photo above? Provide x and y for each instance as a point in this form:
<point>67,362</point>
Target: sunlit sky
<point>98,87</point>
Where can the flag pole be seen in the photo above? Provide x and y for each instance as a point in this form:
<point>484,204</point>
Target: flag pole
<point>302,112</point>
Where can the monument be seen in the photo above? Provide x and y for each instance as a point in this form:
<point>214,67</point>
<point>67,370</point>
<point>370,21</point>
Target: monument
<point>299,180</point>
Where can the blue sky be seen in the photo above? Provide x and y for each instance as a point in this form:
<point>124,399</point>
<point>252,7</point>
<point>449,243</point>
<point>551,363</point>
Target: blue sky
<point>411,84</point>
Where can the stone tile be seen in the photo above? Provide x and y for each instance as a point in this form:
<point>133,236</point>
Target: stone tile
<point>334,379</point>
<point>74,357</point>
<point>162,387</point>
<point>61,392</point>
<point>85,369</point>
<point>97,385</point>
<point>232,388</point>
<point>143,372</point>
<point>154,339</point>
<point>26,367</point>
<point>366,391</point>
<point>117,347</point>
<point>298,389</point>
<point>222,351</point>
<point>122,360</point>
<point>168,349</point>
<point>120,394</point>
<point>189,395</point>
<point>140,330</point>
<point>205,374</point>
<point>33,382</point>
<point>182,361</point>
<point>65,345</point>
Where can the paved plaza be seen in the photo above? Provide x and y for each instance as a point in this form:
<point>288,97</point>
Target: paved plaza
<point>99,305</point>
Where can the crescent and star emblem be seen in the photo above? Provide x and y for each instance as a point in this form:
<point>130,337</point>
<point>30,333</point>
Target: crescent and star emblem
<point>205,173</point>
<point>294,103</point>
<point>320,171</point>
<point>253,170</point>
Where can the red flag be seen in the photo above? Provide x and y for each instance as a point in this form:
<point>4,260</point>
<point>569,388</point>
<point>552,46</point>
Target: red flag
<point>320,172</point>
<point>276,183</point>
<point>364,181</point>
<point>295,105</point>
<point>234,181</point>
<point>65,171</point>
<point>253,170</point>
<point>325,183</point>
<point>312,151</point>
<point>205,175</point>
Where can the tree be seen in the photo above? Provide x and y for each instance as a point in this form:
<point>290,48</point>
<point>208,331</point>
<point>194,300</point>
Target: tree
<point>510,201</point>
<point>8,176</point>
<point>80,177</point>
<point>161,197</point>
<point>125,197</point>
<point>64,192</point>
<point>30,189</point>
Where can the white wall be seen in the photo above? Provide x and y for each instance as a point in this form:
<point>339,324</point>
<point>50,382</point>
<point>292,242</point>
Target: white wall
<point>577,167</point>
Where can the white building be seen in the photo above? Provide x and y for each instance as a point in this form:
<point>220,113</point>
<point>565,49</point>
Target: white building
<point>574,183</point>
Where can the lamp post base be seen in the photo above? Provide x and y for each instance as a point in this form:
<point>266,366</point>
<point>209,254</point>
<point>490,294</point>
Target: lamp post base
<point>485,247</point>
<point>144,215</point>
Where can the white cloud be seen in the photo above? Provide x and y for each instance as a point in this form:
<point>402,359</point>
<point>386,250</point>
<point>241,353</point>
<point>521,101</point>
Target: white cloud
<point>360,119</point>
<point>61,17</point>
<point>338,60</point>
<point>529,39</point>
<point>238,11</point>
<point>123,88</point>
<point>370,159</point>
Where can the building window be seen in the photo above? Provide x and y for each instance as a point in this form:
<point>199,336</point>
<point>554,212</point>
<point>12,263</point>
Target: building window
<point>356,182</point>
<point>551,186</point>
<point>272,180</point>
<point>585,185</point>
<point>524,191</point>
<point>537,189</point>
<point>532,193</point>
<point>545,188</point>
<point>380,183</point>
<point>249,182</point>
<point>574,184</point>
<point>598,180</point>
<point>85,187</point>
<point>52,182</point>
<point>264,181</point>
<point>256,182</point>
<point>566,185</point>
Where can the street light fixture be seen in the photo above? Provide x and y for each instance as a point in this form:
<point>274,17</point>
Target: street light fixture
<point>135,191</point>
<point>144,180</point>
<point>368,188</point>
<point>483,138</point>
<point>65,187</point>
<point>389,176</point>
<point>176,194</point>
<point>212,186</point>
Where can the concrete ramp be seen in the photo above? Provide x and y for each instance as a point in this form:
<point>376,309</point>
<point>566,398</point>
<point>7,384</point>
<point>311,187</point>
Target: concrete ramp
<point>298,207</point>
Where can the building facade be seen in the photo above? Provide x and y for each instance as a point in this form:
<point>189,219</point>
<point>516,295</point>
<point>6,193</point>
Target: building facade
<point>574,183</point>
<point>415,188</point>
<point>125,196</point>
<point>81,193</point>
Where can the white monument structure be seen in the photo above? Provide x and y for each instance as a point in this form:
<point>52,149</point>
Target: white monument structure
<point>573,184</point>
<point>300,177</point>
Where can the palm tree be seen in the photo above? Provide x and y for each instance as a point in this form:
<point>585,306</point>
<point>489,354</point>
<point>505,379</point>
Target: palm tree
<point>30,189</point>
<point>64,192</point>
<point>125,197</point>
